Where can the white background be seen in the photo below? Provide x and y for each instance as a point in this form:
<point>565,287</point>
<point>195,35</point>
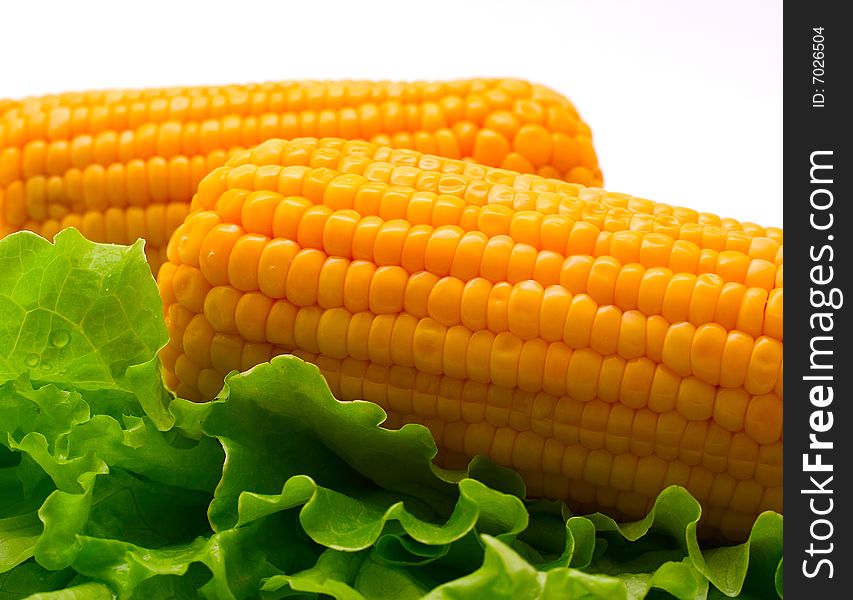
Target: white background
<point>684,98</point>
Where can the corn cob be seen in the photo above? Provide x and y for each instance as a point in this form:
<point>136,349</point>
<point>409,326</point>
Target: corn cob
<point>603,345</point>
<point>123,164</point>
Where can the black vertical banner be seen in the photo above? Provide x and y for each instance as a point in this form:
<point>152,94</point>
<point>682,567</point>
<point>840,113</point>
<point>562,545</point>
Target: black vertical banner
<point>818,217</point>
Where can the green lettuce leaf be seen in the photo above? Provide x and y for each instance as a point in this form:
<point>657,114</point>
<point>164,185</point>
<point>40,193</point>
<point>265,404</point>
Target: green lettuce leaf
<point>111,487</point>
